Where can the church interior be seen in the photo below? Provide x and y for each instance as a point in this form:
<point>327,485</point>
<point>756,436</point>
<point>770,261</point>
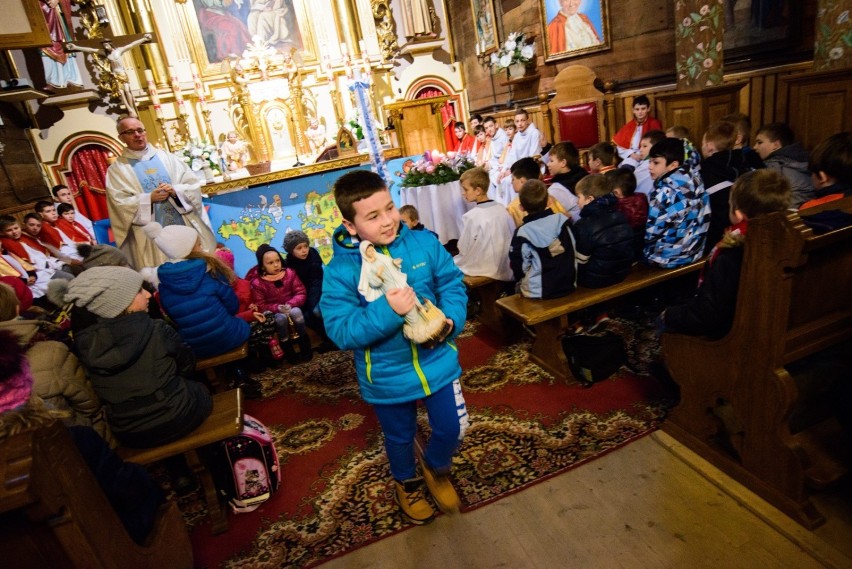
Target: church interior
<point>270,102</point>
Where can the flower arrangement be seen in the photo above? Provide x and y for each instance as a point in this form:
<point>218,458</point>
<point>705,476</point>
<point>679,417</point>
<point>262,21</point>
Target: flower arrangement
<point>200,155</point>
<point>517,48</point>
<point>435,167</point>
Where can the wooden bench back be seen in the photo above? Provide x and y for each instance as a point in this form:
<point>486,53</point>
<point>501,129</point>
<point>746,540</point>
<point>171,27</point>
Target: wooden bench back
<point>54,513</point>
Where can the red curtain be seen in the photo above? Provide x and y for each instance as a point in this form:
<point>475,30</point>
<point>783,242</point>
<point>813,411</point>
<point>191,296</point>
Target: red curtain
<point>448,118</point>
<point>87,179</point>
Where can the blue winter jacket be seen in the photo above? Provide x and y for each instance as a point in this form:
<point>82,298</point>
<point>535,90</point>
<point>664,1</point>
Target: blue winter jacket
<point>202,307</point>
<point>390,368</point>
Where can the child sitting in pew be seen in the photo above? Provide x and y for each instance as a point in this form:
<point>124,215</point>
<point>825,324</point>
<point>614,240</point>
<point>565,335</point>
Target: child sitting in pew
<point>711,311</point>
<point>523,170</point>
<point>487,231</point>
<point>603,157</point>
<point>603,238</point>
<point>644,182</point>
<point>632,204</point>
<point>564,165</point>
<point>678,207</point>
<point>777,147</point>
<point>411,217</point>
<point>542,252</point>
<point>831,169</point>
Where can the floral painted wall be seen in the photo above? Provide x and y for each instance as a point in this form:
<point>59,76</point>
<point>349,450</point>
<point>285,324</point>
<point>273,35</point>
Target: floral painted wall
<point>699,27</point>
<point>833,44</point>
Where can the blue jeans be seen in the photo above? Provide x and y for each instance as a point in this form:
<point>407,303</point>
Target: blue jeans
<point>282,323</point>
<point>448,419</point>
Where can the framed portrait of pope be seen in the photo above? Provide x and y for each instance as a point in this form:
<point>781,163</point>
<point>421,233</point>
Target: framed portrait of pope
<point>574,27</point>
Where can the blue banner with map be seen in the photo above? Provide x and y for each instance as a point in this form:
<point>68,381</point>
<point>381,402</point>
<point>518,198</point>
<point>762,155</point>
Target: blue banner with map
<point>243,220</point>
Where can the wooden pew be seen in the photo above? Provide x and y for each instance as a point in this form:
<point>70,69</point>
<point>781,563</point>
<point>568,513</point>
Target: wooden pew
<point>736,396</point>
<point>214,370</point>
<point>546,318</point>
<point>488,290</point>
<point>54,514</point>
<point>226,420</point>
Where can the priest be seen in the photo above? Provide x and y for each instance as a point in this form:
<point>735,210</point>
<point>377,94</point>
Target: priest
<point>147,184</point>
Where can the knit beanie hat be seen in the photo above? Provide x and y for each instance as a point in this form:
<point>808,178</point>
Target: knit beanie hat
<point>261,251</point>
<point>16,380</point>
<point>226,255</point>
<point>293,238</point>
<point>175,241</point>
<point>101,256</point>
<point>103,291</point>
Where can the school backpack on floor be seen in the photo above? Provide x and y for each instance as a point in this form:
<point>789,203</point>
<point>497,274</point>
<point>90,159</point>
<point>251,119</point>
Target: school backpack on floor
<point>595,357</point>
<point>248,468</point>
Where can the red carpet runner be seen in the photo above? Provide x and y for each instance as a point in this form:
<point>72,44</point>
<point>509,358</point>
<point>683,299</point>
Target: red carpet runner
<point>336,493</point>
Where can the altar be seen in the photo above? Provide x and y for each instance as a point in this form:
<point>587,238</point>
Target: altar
<point>440,206</point>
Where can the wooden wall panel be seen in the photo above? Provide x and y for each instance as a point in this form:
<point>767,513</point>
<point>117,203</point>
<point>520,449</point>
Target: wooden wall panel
<point>818,105</point>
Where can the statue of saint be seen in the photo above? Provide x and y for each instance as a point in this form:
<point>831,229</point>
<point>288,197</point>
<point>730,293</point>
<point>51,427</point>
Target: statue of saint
<point>316,136</point>
<point>235,152</point>
<point>425,324</point>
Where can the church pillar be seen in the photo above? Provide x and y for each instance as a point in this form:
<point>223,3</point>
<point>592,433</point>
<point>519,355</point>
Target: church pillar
<point>349,29</point>
<point>699,27</point>
<point>833,24</point>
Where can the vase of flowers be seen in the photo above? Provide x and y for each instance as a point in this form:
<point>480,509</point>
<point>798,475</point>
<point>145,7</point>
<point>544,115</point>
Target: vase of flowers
<point>516,53</point>
<point>435,168</point>
<point>202,158</point>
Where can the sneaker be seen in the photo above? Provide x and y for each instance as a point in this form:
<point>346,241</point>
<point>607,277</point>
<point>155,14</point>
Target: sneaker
<point>439,485</point>
<point>411,497</point>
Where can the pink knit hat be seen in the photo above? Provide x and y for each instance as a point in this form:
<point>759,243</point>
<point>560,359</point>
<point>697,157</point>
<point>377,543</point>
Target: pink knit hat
<point>16,380</point>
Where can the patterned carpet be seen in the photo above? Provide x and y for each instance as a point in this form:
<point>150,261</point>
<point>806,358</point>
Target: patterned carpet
<point>337,494</point>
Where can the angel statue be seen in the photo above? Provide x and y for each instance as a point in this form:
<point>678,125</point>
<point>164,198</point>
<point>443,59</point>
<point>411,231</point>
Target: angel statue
<point>425,323</point>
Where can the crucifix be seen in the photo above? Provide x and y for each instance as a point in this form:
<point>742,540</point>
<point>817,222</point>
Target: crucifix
<point>107,54</point>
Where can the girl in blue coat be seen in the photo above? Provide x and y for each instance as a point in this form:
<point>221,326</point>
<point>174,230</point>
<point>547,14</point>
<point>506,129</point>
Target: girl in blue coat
<point>195,291</point>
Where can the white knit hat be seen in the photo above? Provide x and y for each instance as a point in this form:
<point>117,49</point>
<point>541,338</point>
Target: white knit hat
<point>175,241</point>
<point>104,291</point>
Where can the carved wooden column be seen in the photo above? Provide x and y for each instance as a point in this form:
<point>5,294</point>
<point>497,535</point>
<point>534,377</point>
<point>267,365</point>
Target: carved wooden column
<point>699,29</point>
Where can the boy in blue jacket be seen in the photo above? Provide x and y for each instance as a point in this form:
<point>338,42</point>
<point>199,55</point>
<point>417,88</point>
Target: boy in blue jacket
<point>393,372</point>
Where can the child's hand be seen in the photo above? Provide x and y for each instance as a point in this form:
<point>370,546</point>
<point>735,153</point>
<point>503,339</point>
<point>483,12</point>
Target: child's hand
<point>284,308</point>
<point>259,317</point>
<point>432,343</point>
<point>401,300</point>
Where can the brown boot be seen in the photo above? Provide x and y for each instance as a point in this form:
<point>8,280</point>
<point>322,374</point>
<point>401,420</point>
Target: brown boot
<point>411,497</point>
<point>439,485</point>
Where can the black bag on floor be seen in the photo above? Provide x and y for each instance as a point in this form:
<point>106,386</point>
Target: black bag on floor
<point>594,358</point>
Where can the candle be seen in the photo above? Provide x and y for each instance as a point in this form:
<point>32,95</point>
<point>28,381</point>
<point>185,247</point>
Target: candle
<point>478,50</point>
<point>158,111</point>
<point>175,87</point>
<point>327,65</point>
<point>362,46</point>
<point>343,49</point>
<point>152,88</point>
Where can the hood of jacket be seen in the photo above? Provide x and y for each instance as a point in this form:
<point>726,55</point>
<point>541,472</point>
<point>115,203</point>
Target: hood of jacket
<point>540,228</point>
<point>23,329</point>
<point>112,345</point>
<point>793,152</point>
<point>183,277</point>
<point>603,204</point>
<point>345,244</point>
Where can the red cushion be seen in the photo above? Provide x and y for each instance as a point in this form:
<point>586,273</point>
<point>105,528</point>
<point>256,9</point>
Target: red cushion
<point>579,124</point>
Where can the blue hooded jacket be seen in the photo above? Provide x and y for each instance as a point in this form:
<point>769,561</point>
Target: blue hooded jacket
<point>202,307</point>
<point>390,368</point>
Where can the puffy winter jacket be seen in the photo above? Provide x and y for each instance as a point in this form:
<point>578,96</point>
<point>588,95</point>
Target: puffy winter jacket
<point>604,244</point>
<point>542,256</point>
<point>719,173</point>
<point>792,162</point>
<point>202,307</point>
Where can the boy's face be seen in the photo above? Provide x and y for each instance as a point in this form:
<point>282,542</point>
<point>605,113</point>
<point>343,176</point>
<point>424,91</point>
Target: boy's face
<point>470,193</point>
<point>510,131</point>
<point>376,219</point>
<point>13,232</point>
<point>407,219</point>
<point>557,166</point>
<point>301,251</point>
<point>68,215</point>
<point>32,226</point>
<point>645,147</point>
<point>707,148</point>
<point>764,147</point>
<point>459,132</point>
<point>657,167</point>
<point>517,183</point>
<point>521,122</point>
<point>480,136</point>
<point>49,214</point>
<point>490,128</point>
<point>640,112</point>
<point>64,195</point>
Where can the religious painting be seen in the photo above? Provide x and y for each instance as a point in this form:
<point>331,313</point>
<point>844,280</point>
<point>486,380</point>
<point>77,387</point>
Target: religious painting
<point>574,27</point>
<point>485,26</point>
<point>220,29</point>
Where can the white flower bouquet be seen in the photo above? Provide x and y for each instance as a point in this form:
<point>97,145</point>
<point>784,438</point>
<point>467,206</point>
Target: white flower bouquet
<point>199,155</point>
<point>517,48</point>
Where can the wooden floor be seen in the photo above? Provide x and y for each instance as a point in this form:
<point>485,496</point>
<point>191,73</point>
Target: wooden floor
<point>653,504</point>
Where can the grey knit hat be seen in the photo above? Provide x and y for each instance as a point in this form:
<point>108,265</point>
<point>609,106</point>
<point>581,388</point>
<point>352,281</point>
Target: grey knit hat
<point>293,238</point>
<point>101,256</point>
<point>103,291</point>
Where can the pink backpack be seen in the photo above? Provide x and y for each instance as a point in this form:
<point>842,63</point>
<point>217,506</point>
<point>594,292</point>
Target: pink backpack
<point>249,472</point>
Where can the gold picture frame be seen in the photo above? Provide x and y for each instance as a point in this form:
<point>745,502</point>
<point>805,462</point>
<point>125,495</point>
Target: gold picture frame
<point>23,25</point>
<point>574,27</point>
<point>485,25</point>
<point>223,34</point>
